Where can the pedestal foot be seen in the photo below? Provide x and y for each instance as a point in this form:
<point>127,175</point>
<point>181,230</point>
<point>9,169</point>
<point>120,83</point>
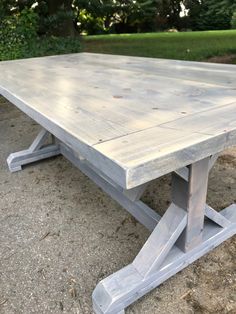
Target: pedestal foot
<point>37,151</point>
<point>122,288</point>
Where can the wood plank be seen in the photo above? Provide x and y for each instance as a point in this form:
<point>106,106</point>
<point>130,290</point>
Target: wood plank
<point>161,240</point>
<point>213,73</point>
<point>122,288</point>
<point>213,122</point>
<point>154,152</point>
<point>124,101</point>
<point>133,118</point>
<point>109,84</point>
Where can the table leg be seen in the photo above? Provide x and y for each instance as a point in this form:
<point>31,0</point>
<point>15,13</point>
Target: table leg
<point>191,196</point>
<point>179,238</point>
<point>37,151</point>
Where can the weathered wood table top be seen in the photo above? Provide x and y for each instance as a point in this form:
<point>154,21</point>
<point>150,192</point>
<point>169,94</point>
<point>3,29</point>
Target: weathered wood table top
<point>124,121</point>
<point>133,118</point>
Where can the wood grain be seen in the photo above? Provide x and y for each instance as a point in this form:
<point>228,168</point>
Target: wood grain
<point>133,118</point>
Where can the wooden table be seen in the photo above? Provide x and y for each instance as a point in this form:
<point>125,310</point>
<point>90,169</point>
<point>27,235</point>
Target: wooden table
<point>125,121</point>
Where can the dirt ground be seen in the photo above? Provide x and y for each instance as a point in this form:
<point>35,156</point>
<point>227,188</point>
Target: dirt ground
<point>230,59</point>
<point>60,235</point>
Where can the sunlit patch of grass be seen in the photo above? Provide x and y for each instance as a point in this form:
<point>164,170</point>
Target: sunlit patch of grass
<point>196,46</point>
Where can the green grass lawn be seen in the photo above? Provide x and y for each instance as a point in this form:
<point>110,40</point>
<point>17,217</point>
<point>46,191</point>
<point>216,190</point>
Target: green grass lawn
<point>184,46</point>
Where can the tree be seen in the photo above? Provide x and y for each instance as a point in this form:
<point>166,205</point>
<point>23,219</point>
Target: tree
<point>69,17</point>
<point>168,13</point>
<point>94,16</point>
<point>210,14</point>
<point>135,16</point>
<point>6,7</point>
<point>57,17</point>
<point>233,21</point>
<point>118,16</point>
<point>194,9</point>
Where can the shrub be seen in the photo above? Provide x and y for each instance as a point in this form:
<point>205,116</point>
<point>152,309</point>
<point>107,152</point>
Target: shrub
<point>16,32</point>
<point>19,39</point>
<point>51,45</point>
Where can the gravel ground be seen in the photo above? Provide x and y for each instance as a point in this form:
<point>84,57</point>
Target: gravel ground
<point>60,235</point>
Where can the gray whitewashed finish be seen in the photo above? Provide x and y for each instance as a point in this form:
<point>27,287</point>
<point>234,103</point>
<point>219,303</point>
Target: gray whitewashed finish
<point>37,151</point>
<point>128,116</point>
<point>125,121</point>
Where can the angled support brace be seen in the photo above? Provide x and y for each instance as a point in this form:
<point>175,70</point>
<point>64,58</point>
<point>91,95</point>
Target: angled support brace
<point>37,151</point>
<point>216,217</point>
<point>144,214</point>
<point>160,242</point>
<point>135,193</point>
<point>128,199</point>
<point>180,237</point>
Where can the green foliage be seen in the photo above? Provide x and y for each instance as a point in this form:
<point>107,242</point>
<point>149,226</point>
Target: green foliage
<point>90,24</point>
<point>33,28</point>
<point>169,10</point>
<point>19,39</point>
<point>52,23</point>
<point>143,16</point>
<point>210,14</point>
<point>119,16</point>
<point>6,7</point>
<point>56,17</point>
<point>42,46</point>
<point>15,33</point>
<point>233,21</point>
<point>51,45</point>
<point>122,16</point>
<point>27,24</point>
<point>65,17</point>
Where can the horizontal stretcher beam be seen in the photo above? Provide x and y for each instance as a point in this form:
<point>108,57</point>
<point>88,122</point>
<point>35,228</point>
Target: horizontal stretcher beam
<point>138,209</point>
<point>129,199</point>
<point>188,229</point>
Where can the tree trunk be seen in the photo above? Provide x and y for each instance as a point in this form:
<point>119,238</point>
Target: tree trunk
<point>65,25</point>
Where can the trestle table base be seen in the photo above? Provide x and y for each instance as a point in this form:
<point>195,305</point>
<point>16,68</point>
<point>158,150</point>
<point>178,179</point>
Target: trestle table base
<point>188,229</point>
